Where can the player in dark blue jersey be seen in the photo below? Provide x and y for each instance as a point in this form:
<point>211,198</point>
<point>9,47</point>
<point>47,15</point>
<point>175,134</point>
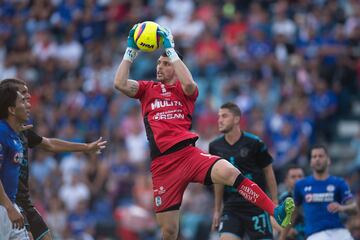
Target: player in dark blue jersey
<point>250,155</point>
<point>323,197</point>
<point>30,139</point>
<point>13,114</point>
<point>293,174</point>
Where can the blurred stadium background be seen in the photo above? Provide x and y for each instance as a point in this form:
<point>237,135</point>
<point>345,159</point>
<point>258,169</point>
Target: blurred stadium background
<point>292,66</point>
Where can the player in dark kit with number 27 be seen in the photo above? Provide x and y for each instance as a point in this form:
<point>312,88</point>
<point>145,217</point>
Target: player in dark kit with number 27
<point>167,106</point>
<point>250,155</point>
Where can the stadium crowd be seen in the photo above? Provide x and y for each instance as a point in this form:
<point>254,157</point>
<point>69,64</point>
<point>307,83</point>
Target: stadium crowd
<point>293,67</point>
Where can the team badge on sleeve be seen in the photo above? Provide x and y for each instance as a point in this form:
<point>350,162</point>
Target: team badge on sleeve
<point>18,157</point>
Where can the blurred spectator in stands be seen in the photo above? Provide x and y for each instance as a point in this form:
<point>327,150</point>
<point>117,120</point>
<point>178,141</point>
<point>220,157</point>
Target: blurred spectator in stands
<point>74,192</point>
<point>42,167</point>
<point>323,103</point>
<point>286,147</point>
<point>121,177</point>
<point>355,144</point>
<point>96,174</point>
<point>44,47</point>
<point>81,222</point>
<point>56,217</point>
<point>282,25</point>
<point>209,54</point>
<point>195,205</point>
<point>231,31</point>
<point>69,50</point>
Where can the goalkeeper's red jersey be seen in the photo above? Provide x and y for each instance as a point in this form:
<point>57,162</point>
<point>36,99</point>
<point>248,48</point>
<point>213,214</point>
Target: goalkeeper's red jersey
<point>167,113</point>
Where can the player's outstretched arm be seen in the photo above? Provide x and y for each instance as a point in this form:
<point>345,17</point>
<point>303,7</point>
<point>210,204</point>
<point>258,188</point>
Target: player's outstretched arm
<point>58,145</point>
<point>15,217</point>
<point>182,72</point>
<point>121,82</point>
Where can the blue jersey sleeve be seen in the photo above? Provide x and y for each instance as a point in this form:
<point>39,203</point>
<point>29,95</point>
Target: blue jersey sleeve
<point>298,198</point>
<point>345,193</point>
<point>2,153</point>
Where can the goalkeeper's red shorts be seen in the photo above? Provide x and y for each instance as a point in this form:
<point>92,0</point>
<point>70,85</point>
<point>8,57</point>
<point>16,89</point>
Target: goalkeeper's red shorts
<point>172,173</point>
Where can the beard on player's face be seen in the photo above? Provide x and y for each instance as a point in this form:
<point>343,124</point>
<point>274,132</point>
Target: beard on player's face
<point>226,129</point>
<point>164,76</point>
<point>320,170</point>
<point>320,167</point>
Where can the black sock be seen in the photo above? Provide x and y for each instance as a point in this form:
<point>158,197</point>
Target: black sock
<point>238,180</point>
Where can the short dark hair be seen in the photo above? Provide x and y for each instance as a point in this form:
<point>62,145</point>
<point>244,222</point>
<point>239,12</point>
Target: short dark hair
<point>317,146</point>
<point>232,107</point>
<point>8,95</point>
<point>14,81</point>
<point>178,53</point>
<point>292,166</point>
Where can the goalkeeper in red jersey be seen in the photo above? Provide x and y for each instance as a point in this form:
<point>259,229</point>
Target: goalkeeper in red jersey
<point>167,106</point>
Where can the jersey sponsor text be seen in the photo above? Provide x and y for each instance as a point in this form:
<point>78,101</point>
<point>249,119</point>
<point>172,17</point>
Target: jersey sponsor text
<point>319,197</point>
<point>168,115</point>
<point>164,103</point>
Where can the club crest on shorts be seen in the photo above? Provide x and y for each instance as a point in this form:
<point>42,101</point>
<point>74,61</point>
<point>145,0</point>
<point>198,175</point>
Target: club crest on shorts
<point>158,201</point>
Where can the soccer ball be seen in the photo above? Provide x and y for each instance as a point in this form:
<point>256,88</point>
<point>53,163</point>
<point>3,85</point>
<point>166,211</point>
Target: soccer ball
<point>146,37</point>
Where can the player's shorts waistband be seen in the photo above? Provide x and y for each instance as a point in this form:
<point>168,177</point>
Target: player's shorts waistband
<point>177,147</point>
